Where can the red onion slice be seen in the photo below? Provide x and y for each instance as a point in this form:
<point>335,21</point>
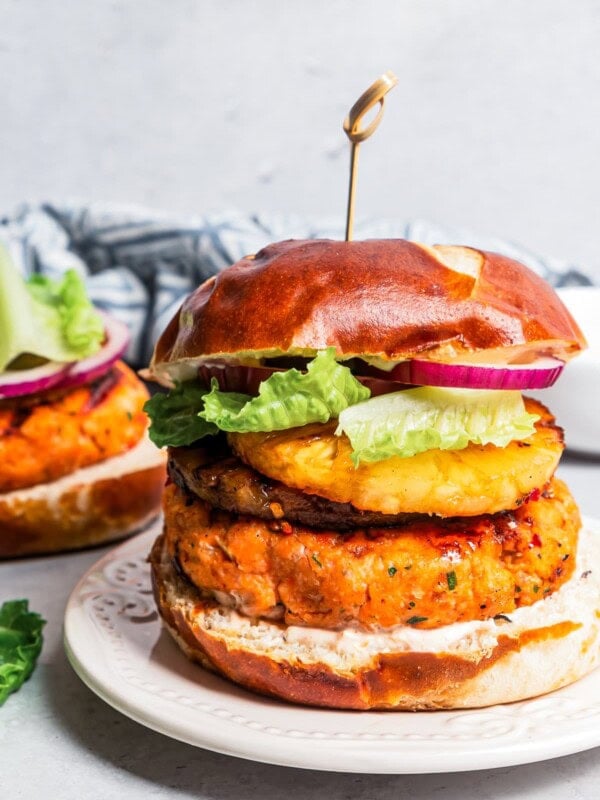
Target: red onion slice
<point>416,372</point>
<point>379,386</point>
<point>235,378</point>
<point>88,369</point>
<point>19,382</point>
<point>538,375</point>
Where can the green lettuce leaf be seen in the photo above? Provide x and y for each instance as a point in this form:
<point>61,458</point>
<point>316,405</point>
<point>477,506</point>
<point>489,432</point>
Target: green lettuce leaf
<point>287,399</point>
<point>174,416</point>
<point>20,645</point>
<point>51,319</point>
<point>412,421</point>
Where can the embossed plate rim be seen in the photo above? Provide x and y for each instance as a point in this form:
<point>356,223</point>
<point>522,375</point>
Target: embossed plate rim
<point>218,716</point>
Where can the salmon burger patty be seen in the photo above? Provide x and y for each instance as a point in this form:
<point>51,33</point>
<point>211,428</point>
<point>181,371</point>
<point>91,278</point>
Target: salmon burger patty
<point>426,574</point>
<point>54,434</point>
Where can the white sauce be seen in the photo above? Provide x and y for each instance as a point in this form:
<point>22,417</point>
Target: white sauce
<point>577,601</point>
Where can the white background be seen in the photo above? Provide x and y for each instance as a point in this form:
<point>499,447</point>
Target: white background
<point>196,105</point>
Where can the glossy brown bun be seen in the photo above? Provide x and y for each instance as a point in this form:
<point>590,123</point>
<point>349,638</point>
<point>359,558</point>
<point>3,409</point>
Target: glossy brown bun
<point>388,298</point>
<point>94,505</point>
<point>556,644</point>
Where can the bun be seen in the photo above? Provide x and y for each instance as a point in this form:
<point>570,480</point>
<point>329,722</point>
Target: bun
<point>541,648</point>
<point>94,505</point>
<point>388,298</point>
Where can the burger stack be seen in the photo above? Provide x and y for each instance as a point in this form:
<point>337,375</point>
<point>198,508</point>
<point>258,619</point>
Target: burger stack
<point>362,509</point>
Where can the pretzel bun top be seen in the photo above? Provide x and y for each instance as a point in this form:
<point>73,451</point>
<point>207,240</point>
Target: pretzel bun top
<point>388,299</point>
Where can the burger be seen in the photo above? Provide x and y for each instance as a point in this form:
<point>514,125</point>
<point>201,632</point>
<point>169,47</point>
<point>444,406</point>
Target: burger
<point>361,509</point>
<point>76,465</point>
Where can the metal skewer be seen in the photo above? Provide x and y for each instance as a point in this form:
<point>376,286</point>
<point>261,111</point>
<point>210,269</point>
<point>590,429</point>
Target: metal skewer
<point>373,95</point>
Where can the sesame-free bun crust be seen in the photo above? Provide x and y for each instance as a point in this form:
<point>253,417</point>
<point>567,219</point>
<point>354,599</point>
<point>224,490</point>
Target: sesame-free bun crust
<point>94,505</point>
<point>558,643</point>
<point>388,298</point>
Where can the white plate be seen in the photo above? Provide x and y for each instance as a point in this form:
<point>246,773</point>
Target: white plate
<point>114,641</point>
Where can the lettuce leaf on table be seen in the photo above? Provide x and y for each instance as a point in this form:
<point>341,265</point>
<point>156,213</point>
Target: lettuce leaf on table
<point>51,319</point>
<point>20,645</point>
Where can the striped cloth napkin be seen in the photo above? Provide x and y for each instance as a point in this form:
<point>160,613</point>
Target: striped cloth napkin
<point>139,264</point>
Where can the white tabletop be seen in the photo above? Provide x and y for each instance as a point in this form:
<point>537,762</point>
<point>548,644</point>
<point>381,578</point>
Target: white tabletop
<point>59,741</point>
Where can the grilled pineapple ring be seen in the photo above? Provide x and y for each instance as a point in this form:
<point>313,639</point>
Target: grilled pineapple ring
<point>476,480</point>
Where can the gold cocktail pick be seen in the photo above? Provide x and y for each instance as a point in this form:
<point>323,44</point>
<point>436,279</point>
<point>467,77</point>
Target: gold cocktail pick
<point>373,95</point>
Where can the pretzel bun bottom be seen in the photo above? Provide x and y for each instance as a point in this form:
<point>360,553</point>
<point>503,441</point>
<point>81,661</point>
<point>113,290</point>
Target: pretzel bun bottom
<point>468,665</point>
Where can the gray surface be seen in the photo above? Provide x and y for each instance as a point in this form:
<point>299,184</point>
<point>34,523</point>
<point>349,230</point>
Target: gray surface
<point>190,105</point>
<point>59,741</point>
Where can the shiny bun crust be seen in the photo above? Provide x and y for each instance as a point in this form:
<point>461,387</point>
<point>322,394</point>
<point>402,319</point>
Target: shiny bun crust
<point>544,656</point>
<point>389,298</point>
<point>92,506</point>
